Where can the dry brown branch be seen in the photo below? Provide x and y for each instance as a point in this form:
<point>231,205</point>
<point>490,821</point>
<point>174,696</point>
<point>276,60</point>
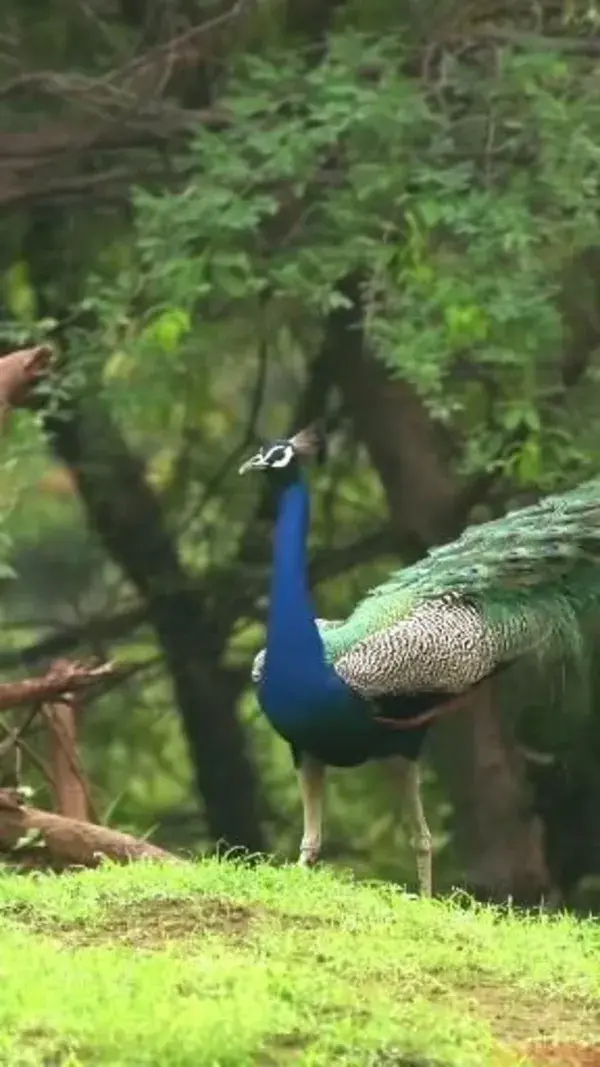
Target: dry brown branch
<point>136,81</point>
<point>26,750</point>
<point>71,792</point>
<point>20,152</point>
<point>183,51</point>
<point>14,737</point>
<point>122,110</point>
<point>536,42</point>
<point>59,680</point>
<point>35,838</point>
<point>19,373</point>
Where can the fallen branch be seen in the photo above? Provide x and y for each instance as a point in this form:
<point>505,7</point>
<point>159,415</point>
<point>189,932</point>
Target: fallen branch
<point>35,838</point>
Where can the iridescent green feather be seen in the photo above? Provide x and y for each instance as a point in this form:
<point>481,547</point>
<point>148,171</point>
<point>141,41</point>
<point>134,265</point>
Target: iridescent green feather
<point>533,575</point>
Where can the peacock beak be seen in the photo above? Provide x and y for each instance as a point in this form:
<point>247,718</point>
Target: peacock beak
<point>255,463</point>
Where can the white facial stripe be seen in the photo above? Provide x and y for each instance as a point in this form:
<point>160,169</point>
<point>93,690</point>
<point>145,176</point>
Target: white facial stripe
<point>284,454</point>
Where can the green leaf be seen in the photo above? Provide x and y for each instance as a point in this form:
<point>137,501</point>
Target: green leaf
<point>19,293</point>
<point>168,329</point>
<point>529,463</point>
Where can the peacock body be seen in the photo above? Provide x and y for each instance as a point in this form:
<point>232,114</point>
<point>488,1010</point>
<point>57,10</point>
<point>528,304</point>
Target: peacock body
<point>368,687</point>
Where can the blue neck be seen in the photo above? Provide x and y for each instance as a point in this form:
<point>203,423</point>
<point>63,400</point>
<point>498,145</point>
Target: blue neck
<point>301,694</point>
<point>292,634</point>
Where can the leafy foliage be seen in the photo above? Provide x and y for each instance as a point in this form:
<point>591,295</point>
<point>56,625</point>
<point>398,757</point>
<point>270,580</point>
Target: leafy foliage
<point>461,211</point>
<point>455,183</point>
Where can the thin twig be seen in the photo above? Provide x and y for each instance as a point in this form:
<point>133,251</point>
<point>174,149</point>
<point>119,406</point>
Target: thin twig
<point>14,736</point>
<point>248,435</point>
<point>32,756</point>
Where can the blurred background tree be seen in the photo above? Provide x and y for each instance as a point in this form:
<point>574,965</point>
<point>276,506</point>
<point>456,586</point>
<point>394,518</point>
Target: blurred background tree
<point>231,219</point>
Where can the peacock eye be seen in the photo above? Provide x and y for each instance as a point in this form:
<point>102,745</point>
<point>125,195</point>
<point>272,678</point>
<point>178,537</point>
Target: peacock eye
<point>279,455</point>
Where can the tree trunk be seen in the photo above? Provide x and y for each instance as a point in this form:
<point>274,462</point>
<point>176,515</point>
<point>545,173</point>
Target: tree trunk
<point>126,515</point>
<point>497,835</point>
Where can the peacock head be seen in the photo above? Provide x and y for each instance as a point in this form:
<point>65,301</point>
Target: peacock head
<point>283,457</point>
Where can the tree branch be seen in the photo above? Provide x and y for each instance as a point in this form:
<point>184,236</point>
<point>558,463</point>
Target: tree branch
<point>249,433</point>
<point>71,790</point>
<point>61,679</point>
<point>35,838</point>
<point>14,737</point>
<point>122,110</point>
<point>20,372</point>
<point>534,42</point>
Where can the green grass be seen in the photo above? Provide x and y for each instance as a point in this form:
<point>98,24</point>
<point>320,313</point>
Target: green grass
<point>217,965</point>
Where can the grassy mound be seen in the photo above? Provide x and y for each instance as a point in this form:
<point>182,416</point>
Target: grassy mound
<point>217,965</point>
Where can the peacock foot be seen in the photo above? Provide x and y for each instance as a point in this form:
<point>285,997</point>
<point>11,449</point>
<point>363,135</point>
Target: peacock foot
<point>308,857</point>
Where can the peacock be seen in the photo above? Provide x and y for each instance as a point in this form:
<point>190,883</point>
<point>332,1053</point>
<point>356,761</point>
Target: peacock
<point>342,692</point>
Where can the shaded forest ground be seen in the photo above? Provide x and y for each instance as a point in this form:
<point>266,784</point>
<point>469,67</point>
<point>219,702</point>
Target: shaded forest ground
<point>218,964</point>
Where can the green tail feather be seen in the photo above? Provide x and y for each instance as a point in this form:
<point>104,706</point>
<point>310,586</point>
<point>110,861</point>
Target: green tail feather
<point>534,574</point>
<point>543,544</point>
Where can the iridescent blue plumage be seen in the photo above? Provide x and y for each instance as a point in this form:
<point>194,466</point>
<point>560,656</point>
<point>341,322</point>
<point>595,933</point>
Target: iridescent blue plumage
<point>368,686</point>
<point>323,716</point>
<point>301,694</point>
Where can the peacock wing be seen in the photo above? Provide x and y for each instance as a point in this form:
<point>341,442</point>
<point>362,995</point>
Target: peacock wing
<point>503,589</point>
<point>444,646</point>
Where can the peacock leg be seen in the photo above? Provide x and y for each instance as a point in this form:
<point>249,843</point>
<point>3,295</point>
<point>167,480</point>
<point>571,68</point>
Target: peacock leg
<point>311,779</point>
<point>406,775</point>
